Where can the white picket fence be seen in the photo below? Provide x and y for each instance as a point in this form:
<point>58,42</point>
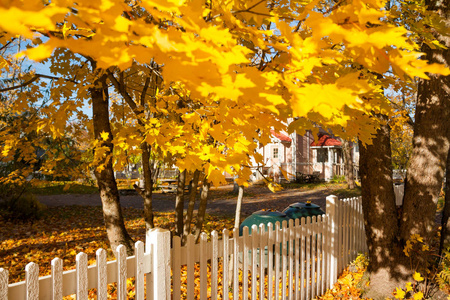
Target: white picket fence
<point>291,261</point>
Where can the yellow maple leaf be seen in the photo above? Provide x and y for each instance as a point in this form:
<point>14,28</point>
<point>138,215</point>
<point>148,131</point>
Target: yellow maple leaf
<point>409,286</point>
<point>274,187</point>
<point>104,135</point>
<point>399,293</point>
<point>417,276</point>
<point>418,296</point>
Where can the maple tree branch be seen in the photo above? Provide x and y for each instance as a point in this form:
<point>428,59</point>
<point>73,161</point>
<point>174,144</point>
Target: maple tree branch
<point>409,120</point>
<point>144,90</point>
<point>120,86</point>
<point>7,44</point>
<point>33,79</point>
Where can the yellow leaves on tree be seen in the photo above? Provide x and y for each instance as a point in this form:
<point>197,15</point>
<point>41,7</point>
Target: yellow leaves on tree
<point>222,73</point>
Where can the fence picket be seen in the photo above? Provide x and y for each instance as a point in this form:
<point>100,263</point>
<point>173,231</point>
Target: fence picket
<point>284,259</point>
<point>313,255</point>
<point>270,244</point>
<point>303,257</point>
<point>190,252</point>
<point>226,253</point>
<point>245,262</point>
<point>82,278</point>
<point>102,281</point>
<point>328,252</point>
<point>360,227</point>
<point>214,266</point>
<point>278,239</point>
<point>203,266</point>
<point>139,285</point>
<point>323,253</point>
<point>57,278</point>
<point>4,274</point>
<point>121,272</point>
<point>236,263</point>
<point>254,260</point>
<point>176,267</point>
<point>262,256</point>
<point>297,250</point>
<point>291,258</point>
<point>32,281</point>
<point>308,258</point>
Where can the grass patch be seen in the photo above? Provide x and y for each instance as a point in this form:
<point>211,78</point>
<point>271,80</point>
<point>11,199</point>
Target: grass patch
<point>348,193</point>
<point>312,186</point>
<point>62,187</point>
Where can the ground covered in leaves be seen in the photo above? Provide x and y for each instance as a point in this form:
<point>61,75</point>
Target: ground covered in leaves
<point>67,230</point>
<point>64,231</point>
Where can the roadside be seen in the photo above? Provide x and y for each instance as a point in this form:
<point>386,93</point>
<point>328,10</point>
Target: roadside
<point>221,199</point>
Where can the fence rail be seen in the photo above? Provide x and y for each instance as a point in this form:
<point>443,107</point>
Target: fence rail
<point>295,260</point>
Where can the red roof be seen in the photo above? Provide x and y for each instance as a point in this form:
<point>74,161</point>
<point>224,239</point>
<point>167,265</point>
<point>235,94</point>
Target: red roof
<point>280,136</point>
<point>326,140</point>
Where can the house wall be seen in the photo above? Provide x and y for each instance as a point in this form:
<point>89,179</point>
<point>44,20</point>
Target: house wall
<point>298,156</point>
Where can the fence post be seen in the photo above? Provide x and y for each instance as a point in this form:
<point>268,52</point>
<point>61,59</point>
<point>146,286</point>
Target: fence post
<point>333,263</point>
<point>158,281</point>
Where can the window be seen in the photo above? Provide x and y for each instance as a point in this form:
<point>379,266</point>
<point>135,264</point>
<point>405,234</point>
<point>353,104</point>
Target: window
<point>322,155</point>
<point>275,152</point>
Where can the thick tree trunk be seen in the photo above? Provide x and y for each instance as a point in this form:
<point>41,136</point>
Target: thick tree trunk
<point>202,208</point>
<point>190,210</point>
<point>237,217</point>
<point>431,140</point>
<point>380,216</point>
<point>179,203</point>
<point>445,231</point>
<point>109,194</point>
<point>348,164</point>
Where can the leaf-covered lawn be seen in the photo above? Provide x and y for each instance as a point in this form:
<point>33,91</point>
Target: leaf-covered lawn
<point>65,231</point>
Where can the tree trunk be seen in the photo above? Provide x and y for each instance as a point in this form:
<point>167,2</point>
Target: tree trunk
<point>348,164</point>
<point>202,208</point>
<point>190,210</point>
<point>445,231</point>
<point>179,203</point>
<point>237,217</point>
<point>380,217</point>
<point>431,140</point>
<point>148,186</point>
<point>104,172</point>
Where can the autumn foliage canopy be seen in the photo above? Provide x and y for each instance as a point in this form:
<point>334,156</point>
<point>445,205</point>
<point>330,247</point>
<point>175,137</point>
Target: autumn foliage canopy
<point>223,72</point>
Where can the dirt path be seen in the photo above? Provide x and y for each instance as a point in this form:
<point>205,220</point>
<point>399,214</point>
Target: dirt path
<point>222,201</point>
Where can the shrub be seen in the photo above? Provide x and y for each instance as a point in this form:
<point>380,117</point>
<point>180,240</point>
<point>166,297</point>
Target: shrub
<point>338,179</point>
<point>24,207</point>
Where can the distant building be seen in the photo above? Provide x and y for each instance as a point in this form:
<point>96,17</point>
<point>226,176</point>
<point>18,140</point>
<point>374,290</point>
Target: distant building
<point>296,153</point>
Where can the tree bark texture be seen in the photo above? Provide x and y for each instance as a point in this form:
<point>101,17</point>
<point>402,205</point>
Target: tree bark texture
<point>237,217</point>
<point>348,164</point>
<point>104,172</point>
<point>380,215</point>
<point>445,231</point>
<point>190,210</point>
<point>202,208</point>
<point>148,186</point>
<point>431,140</point>
<point>179,203</point>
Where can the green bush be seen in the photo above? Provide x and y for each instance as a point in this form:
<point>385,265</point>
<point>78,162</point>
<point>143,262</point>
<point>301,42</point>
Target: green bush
<point>24,207</point>
<point>338,179</point>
